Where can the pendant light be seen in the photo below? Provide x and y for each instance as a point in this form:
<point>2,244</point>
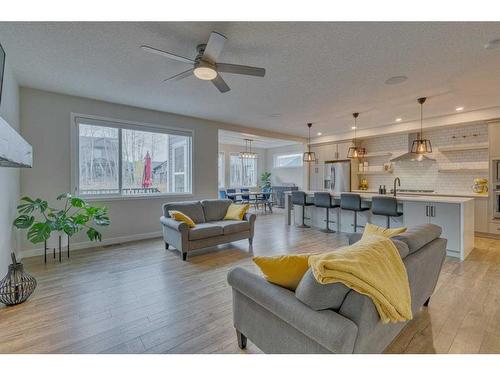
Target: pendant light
<point>354,151</point>
<point>309,156</point>
<point>248,154</point>
<point>420,145</point>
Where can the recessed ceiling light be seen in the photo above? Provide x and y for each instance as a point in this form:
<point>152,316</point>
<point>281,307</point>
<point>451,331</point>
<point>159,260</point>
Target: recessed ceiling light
<point>458,109</point>
<point>492,44</point>
<point>275,115</point>
<point>399,119</point>
<point>396,80</point>
<point>319,133</point>
<point>353,127</point>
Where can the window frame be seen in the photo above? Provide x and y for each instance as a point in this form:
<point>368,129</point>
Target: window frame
<point>221,172</point>
<point>241,168</point>
<point>131,125</point>
<point>276,156</point>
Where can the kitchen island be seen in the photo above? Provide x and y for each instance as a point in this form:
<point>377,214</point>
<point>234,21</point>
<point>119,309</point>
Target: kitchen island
<point>455,215</point>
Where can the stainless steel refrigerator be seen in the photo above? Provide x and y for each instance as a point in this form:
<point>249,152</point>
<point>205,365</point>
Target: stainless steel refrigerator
<point>337,176</point>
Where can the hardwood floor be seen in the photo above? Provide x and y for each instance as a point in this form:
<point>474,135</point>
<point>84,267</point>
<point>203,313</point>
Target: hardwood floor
<point>139,298</point>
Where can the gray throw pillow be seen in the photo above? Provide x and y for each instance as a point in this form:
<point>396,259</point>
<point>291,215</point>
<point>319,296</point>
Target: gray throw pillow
<point>320,296</point>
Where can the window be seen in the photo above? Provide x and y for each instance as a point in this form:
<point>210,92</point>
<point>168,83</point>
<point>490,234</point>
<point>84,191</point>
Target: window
<point>119,159</point>
<point>288,160</point>
<point>222,172</point>
<point>243,172</point>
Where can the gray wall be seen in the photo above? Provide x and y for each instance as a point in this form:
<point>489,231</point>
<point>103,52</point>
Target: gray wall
<point>45,123</point>
<point>279,176</point>
<point>9,177</point>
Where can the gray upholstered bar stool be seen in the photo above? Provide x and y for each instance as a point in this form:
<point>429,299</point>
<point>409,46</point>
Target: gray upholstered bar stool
<point>299,198</point>
<point>324,200</point>
<point>385,206</point>
<point>352,202</point>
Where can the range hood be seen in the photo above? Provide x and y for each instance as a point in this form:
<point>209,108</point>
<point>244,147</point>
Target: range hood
<point>15,152</point>
<point>410,156</point>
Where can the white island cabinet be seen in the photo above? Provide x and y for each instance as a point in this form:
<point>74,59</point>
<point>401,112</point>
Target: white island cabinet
<point>455,215</point>
<point>456,220</point>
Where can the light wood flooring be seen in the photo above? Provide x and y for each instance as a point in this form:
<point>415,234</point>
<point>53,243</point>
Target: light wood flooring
<point>139,298</point>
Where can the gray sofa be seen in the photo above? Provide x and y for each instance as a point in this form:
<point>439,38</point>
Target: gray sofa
<point>331,318</point>
<point>211,228</point>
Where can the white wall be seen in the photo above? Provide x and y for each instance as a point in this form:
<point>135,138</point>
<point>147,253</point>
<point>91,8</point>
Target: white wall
<point>280,176</point>
<point>45,123</point>
<point>426,175</point>
<point>9,177</point>
<point>228,149</point>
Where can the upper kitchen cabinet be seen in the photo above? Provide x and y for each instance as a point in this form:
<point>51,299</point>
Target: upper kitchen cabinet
<point>342,149</point>
<point>494,138</point>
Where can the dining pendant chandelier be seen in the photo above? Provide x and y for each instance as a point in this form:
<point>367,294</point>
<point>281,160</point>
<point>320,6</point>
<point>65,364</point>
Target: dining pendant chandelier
<point>421,145</point>
<point>354,151</point>
<point>309,156</point>
<point>248,153</point>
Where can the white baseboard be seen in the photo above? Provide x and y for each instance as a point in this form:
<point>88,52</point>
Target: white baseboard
<point>73,246</point>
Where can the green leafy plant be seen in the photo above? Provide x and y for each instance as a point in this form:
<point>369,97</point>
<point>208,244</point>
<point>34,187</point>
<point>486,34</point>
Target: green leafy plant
<point>265,179</point>
<point>41,220</point>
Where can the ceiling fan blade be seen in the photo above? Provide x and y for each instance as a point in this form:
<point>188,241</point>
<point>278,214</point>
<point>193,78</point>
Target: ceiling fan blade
<point>214,47</point>
<point>220,84</point>
<point>241,69</point>
<point>166,54</point>
<point>179,76</point>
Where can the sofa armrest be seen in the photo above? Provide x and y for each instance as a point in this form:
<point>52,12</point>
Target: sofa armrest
<point>250,217</point>
<point>179,226</point>
<point>330,329</point>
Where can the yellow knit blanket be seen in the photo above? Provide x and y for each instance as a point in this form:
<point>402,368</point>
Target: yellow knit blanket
<point>372,267</point>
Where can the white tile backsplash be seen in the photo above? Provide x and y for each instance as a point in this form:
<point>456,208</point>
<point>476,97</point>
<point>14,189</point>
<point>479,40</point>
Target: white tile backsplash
<point>425,175</point>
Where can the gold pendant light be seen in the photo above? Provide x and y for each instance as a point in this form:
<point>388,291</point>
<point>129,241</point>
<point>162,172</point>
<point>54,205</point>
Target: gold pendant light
<point>420,145</point>
<point>309,156</point>
<point>354,151</point>
<point>248,153</point>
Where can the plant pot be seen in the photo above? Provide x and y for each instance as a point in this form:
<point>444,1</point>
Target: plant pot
<point>53,241</point>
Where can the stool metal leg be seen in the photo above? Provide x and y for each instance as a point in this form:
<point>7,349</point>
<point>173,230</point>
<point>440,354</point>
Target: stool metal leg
<point>328,230</point>
<point>388,221</point>
<point>303,225</point>
<point>355,221</point>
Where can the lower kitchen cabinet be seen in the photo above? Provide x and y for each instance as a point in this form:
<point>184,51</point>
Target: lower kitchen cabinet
<point>446,215</point>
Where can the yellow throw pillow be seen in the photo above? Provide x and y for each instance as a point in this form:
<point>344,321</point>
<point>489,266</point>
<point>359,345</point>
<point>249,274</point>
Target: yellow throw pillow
<point>179,216</point>
<point>284,270</point>
<point>371,229</point>
<point>236,211</point>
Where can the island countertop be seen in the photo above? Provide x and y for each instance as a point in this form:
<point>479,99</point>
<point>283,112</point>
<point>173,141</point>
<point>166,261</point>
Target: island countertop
<point>367,196</point>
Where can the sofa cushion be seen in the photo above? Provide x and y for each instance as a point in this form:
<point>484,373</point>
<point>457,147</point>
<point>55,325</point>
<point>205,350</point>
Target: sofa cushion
<point>320,296</point>
<point>402,248</point>
<point>215,209</point>
<point>233,226</point>
<point>193,209</point>
<point>418,236</point>
<point>204,230</point>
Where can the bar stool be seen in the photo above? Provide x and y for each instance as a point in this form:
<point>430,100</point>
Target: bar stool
<point>299,198</point>
<point>324,200</point>
<point>352,202</point>
<point>385,206</point>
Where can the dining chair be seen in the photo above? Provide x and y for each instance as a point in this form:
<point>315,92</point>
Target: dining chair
<point>231,191</point>
<point>245,198</point>
<point>222,194</point>
<point>266,200</point>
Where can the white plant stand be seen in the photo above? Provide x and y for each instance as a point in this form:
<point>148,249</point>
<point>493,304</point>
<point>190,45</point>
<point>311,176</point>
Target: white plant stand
<point>57,240</point>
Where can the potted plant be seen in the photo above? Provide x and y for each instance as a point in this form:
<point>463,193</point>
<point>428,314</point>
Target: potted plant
<point>75,215</point>
<point>265,179</point>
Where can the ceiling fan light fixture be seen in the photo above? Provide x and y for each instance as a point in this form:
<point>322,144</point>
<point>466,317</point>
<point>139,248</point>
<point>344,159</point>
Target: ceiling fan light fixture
<point>205,72</point>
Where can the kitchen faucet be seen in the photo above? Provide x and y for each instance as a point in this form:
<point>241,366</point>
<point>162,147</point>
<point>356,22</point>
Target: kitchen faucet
<point>399,184</point>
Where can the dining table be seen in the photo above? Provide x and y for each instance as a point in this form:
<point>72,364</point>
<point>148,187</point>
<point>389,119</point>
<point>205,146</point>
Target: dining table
<point>255,194</point>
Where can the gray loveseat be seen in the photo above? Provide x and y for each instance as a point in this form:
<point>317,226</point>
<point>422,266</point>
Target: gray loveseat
<point>211,228</point>
<point>331,318</point>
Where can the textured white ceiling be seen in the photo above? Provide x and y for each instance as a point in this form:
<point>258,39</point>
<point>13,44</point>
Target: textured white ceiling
<point>318,72</point>
<point>236,138</point>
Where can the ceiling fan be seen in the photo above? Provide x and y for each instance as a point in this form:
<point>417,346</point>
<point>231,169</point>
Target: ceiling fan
<point>205,65</point>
